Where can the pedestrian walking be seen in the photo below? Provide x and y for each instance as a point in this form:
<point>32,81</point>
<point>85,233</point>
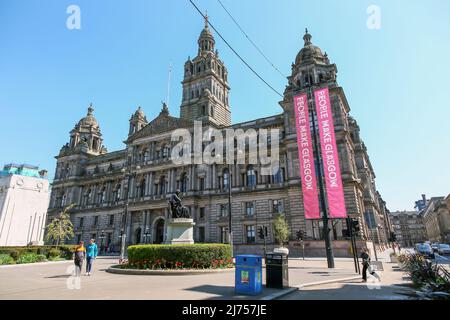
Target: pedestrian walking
<point>91,255</point>
<point>80,253</point>
<point>365,263</point>
<point>367,266</point>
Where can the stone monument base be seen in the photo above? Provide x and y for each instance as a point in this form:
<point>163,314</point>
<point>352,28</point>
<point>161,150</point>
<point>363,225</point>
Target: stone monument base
<point>180,231</point>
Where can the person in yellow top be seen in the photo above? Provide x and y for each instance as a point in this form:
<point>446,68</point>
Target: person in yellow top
<point>80,254</point>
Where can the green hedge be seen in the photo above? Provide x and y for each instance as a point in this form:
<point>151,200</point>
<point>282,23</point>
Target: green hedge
<point>6,259</point>
<point>195,256</point>
<point>39,252</point>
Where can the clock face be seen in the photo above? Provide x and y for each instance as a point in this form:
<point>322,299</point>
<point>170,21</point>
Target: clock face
<point>40,185</point>
<point>19,182</point>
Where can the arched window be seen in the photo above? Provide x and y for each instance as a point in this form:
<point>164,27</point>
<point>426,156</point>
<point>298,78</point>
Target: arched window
<point>279,176</point>
<point>146,155</point>
<point>204,110</point>
<point>165,151</point>
<point>142,188</point>
<point>116,193</point>
<point>102,195</point>
<point>89,196</point>
<point>183,182</point>
<point>251,176</point>
<point>226,179</point>
<point>162,185</point>
<point>63,199</point>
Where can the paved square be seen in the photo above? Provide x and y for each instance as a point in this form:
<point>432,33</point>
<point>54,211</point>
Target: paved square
<point>48,281</point>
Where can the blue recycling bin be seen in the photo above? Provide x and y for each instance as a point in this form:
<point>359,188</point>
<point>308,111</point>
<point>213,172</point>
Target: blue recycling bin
<point>248,276</point>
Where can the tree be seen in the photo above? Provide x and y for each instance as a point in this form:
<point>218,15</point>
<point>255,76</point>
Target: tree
<point>280,230</point>
<point>60,228</point>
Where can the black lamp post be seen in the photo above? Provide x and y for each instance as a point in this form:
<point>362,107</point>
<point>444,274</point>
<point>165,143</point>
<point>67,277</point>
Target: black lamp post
<point>230,232</point>
<point>128,174</point>
<point>102,238</point>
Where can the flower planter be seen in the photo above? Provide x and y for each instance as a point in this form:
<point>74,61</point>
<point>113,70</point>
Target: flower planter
<point>281,250</point>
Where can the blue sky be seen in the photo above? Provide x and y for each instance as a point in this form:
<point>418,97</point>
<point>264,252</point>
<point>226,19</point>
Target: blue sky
<point>396,78</point>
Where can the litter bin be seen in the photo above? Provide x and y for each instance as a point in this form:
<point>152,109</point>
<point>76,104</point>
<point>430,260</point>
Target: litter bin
<point>277,270</point>
<point>248,276</point>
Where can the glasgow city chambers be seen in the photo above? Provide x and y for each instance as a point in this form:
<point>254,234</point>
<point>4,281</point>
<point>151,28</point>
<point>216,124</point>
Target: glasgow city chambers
<point>128,190</point>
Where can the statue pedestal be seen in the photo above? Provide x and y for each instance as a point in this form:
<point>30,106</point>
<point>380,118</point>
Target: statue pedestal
<point>180,231</point>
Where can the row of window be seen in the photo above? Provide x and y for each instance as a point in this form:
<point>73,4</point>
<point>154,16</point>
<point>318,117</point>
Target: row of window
<point>250,234</point>
<point>277,207</point>
<point>81,221</point>
<point>249,179</point>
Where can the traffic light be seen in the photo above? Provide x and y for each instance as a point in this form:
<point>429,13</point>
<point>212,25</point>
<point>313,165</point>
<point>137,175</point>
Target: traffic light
<point>300,235</point>
<point>355,225</point>
<point>262,232</point>
<point>393,237</point>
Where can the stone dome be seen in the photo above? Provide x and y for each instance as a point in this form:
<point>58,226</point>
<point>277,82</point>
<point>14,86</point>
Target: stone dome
<point>309,52</point>
<point>139,113</point>
<point>206,34</point>
<point>89,120</point>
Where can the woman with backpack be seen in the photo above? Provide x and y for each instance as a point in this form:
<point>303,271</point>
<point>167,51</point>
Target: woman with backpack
<point>80,253</point>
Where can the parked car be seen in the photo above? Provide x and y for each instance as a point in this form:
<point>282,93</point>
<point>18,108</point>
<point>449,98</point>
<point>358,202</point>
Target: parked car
<point>444,249</point>
<point>425,250</point>
<point>435,247</point>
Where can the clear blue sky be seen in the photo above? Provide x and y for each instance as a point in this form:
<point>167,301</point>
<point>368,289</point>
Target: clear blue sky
<point>396,79</point>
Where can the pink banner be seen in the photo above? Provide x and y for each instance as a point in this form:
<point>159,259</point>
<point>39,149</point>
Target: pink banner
<point>330,158</point>
<point>306,158</point>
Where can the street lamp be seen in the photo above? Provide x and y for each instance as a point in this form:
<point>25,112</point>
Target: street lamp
<point>128,174</point>
<point>102,237</point>
<point>230,232</point>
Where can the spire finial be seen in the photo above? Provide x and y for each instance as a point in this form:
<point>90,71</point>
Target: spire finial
<point>307,37</point>
<point>206,19</point>
<point>165,109</point>
<point>90,109</point>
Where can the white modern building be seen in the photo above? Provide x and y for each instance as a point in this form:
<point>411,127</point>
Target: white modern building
<point>24,199</point>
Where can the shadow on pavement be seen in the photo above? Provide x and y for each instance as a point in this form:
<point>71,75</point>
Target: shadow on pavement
<point>227,293</point>
<point>352,290</point>
<point>62,276</point>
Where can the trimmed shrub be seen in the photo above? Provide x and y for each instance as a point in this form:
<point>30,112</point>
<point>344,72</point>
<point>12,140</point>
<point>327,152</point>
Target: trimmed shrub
<point>6,259</point>
<point>41,258</point>
<point>195,256</point>
<point>28,258</point>
<point>66,251</point>
<point>53,253</point>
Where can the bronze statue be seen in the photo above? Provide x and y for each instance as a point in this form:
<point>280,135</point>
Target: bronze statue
<point>176,207</point>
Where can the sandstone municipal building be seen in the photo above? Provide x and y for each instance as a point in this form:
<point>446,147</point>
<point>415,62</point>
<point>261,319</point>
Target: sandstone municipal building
<point>97,180</point>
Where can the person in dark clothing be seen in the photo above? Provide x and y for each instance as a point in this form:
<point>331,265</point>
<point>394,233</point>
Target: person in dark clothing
<point>80,253</point>
<point>365,263</point>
